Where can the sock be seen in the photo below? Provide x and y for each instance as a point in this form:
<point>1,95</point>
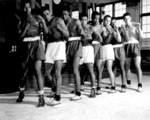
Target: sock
<point>93,87</point>
<point>41,92</point>
<point>21,89</point>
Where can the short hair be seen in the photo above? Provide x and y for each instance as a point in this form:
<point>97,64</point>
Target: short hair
<point>44,8</point>
<point>23,2</point>
<point>66,8</point>
<point>94,14</point>
<point>107,16</point>
<point>83,15</point>
<point>126,14</point>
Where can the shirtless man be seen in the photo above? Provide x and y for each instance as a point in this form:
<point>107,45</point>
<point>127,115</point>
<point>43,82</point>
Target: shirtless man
<point>56,49</point>
<point>99,29</point>
<point>88,50</point>
<point>74,48</point>
<point>107,53</point>
<point>119,54</point>
<point>31,51</point>
<point>133,34</point>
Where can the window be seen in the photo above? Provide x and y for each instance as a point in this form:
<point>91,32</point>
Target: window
<point>108,10</point>
<point>89,13</point>
<point>120,9</point>
<point>120,22</point>
<point>145,18</point>
<point>145,6</point>
<point>98,9</point>
<point>146,26</point>
<point>115,10</point>
<point>75,14</point>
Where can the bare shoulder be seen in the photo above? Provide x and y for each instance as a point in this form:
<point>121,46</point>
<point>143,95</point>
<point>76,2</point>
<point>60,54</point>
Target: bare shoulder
<point>103,28</point>
<point>90,26</point>
<point>99,28</point>
<point>77,21</point>
<point>60,19</point>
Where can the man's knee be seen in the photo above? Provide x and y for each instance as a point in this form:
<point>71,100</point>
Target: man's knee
<point>75,71</point>
<point>58,73</point>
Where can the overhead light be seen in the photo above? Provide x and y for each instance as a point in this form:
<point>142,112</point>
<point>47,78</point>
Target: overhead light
<point>57,1</point>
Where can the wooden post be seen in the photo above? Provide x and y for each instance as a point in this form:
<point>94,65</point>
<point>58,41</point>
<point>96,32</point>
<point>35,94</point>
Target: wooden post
<point>93,6</point>
<point>33,2</point>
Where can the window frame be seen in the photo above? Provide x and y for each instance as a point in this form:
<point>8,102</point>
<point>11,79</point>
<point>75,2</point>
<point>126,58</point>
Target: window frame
<point>113,9</point>
<point>75,11</point>
<point>144,15</point>
<point>90,15</point>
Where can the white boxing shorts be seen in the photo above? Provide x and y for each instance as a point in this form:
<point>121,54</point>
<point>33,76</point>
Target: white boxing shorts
<point>88,55</point>
<point>55,51</point>
<point>107,52</point>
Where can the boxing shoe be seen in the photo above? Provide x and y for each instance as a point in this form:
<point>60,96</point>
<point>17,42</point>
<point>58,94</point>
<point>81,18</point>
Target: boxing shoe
<point>41,101</point>
<point>21,96</point>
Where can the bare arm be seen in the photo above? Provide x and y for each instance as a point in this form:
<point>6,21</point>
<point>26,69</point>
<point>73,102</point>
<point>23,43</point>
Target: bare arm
<point>80,28</point>
<point>44,27</point>
<point>140,33</point>
<point>22,31</point>
<point>63,28</point>
<point>97,36</point>
<point>124,34</point>
<point>116,34</point>
<point>107,37</point>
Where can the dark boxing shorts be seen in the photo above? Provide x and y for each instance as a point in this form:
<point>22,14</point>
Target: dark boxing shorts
<point>132,50</point>
<point>119,53</point>
<point>74,49</point>
<point>32,51</point>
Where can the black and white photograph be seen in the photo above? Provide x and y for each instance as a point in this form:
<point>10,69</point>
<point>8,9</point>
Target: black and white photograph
<point>75,59</point>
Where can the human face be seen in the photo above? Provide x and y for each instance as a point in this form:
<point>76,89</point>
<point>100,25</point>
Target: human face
<point>113,23</point>
<point>47,15</point>
<point>27,8</point>
<point>96,19</point>
<point>107,21</point>
<point>84,20</point>
<point>127,20</point>
<point>65,15</point>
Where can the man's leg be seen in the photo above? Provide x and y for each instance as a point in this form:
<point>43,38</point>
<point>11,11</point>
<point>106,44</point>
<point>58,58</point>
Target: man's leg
<point>127,70</point>
<point>123,75</point>
<point>48,70</point>
<point>83,74</point>
<point>23,75</point>
<point>58,68</point>
<point>137,61</point>
<point>100,66</point>
<point>114,68</point>
<point>51,79</point>
<point>111,74</point>
<point>77,78</point>
<point>40,82</point>
<point>92,75</point>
